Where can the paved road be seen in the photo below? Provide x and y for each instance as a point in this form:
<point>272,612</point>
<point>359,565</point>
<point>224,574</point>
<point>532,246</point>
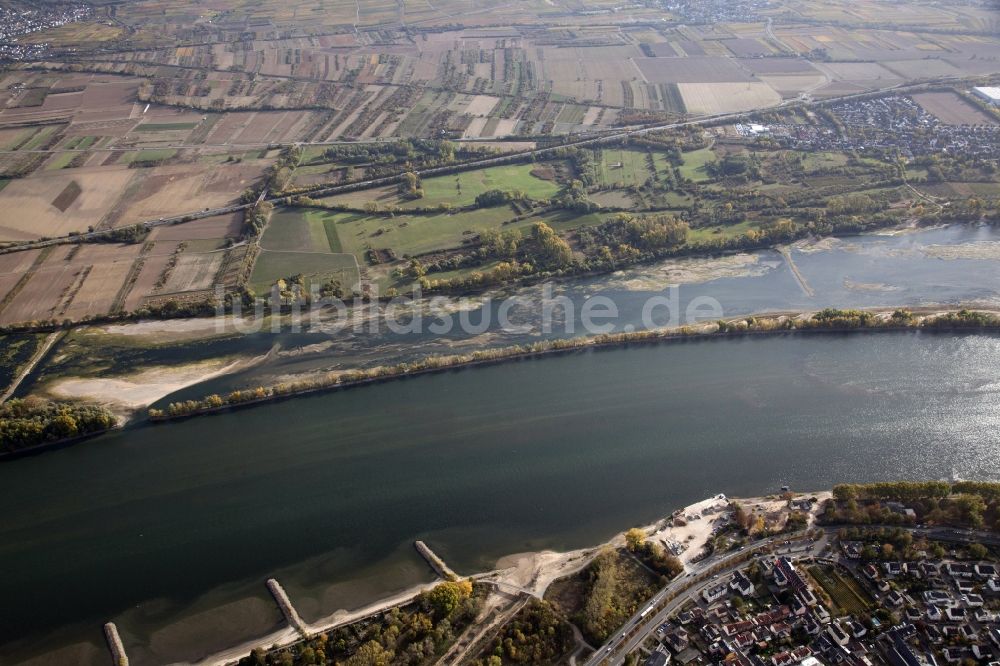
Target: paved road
<point>705,574</point>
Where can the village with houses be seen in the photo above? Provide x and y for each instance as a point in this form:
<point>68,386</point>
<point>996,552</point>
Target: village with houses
<point>17,22</point>
<point>903,595</point>
<point>908,126</point>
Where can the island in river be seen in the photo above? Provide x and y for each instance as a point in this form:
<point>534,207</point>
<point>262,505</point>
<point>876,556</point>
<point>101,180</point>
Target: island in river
<point>133,366</point>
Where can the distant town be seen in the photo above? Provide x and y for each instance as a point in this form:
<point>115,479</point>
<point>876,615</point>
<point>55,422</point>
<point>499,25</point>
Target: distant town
<point>16,22</point>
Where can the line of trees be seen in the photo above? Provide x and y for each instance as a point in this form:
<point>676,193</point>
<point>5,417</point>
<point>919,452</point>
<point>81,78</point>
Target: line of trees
<point>828,319</point>
<point>967,503</point>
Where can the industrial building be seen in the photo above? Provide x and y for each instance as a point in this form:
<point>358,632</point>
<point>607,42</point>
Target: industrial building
<point>989,94</point>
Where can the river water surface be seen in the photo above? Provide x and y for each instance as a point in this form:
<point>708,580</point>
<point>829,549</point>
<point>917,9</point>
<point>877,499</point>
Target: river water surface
<point>171,530</point>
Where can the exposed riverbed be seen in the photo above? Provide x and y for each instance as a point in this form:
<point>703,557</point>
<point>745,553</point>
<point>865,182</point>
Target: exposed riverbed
<point>943,266</point>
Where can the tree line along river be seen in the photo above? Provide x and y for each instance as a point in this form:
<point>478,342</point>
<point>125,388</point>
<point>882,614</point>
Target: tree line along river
<point>171,530</point>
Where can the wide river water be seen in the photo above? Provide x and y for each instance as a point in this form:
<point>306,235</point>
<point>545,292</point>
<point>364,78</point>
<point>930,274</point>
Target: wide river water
<point>171,530</point>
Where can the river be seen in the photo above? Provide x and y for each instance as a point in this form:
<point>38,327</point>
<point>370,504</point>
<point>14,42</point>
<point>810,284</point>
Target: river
<point>171,530</point>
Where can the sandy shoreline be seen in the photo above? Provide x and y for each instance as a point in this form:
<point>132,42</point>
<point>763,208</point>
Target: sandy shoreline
<point>126,394</point>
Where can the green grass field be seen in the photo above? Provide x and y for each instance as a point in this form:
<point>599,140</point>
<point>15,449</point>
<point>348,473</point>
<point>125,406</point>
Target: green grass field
<point>694,164</point>
<point>675,200</point>
<point>703,234</point>
<point>60,161</point>
<point>566,220</point>
<point>303,240</point>
<point>824,160</point>
<point>316,267</point>
<point>572,113</point>
<point>415,234</point>
<point>302,230</point>
<point>3,182</point>
<point>79,142</point>
<point>622,167</point>
<point>843,592</point>
<point>662,162</point>
<point>39,138</point>
<point>461,189</point>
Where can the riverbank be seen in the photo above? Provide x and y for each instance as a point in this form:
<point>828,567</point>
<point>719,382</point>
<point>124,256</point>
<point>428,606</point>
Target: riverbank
<point>824,321</point>
<point>126,395</point>
<point>529,573</point>
<point>56,444</point>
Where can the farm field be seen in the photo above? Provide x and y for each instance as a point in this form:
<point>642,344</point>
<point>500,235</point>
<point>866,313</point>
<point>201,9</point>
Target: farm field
<point>68,282</point>
<point>58,201</point>
<point>951,109</point>
<point>194,271</point>
<point>175,120</point>
<point>55,203</point>
<point>302,230</point>
<point>218,228</point>
<point>712,98</point>
<point>303,241</point>
<point>315,267</point>
<point>155,192</point>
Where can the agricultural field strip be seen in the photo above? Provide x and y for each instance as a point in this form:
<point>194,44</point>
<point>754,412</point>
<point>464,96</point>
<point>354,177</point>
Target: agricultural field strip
<point>323,191</point>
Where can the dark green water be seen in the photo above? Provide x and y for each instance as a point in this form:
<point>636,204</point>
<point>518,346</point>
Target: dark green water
<point>560,452</point>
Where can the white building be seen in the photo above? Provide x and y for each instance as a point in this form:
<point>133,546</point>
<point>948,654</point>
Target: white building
<point>989,94</point>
